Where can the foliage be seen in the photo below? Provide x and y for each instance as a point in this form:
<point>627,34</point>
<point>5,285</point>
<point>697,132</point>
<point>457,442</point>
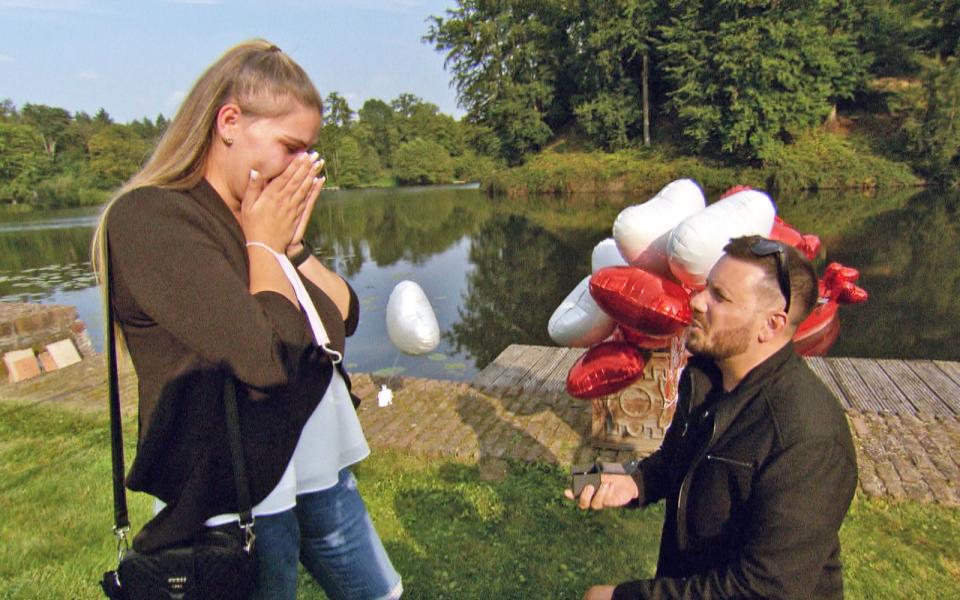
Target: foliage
<point>116,152</point>
<point>932,128</point>
<point>507,60</point>
<point>22,162</point>
<point>473,167</point>
<point>420,162</point>
<point>749,77</point>
<point>52,158</point>
<point>818,160</point>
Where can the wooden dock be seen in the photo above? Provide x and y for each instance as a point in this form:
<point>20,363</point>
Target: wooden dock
<point>901,387</point>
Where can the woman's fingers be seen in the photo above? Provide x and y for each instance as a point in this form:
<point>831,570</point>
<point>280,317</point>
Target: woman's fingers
<point>298,185</point>
<point>307,210</point>
<point>252,192</point>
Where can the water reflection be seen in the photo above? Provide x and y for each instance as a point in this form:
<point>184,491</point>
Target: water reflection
<point>494,269</point>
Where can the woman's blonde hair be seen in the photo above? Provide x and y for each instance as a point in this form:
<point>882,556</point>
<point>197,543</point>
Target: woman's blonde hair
<point>257,76</point>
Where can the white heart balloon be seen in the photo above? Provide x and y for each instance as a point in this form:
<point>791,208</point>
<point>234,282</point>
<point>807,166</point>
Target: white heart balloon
<point>606,254</point>
<point>411,323</point>
<point>578,322</point>
<point>696,244</point>
<point>642,230</point>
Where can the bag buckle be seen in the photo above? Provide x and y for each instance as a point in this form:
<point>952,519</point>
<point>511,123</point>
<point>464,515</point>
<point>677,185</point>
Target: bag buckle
<point>248,536</point>
<point>123,545</point>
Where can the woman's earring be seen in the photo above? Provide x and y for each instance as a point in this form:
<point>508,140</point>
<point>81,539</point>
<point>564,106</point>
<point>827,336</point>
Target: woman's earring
<point>228,141</point>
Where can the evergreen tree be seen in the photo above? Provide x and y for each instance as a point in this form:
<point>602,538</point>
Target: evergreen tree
<point>749,75</point>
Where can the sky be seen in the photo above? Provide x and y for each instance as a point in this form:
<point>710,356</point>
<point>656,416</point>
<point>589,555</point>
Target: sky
<point>139,58</point>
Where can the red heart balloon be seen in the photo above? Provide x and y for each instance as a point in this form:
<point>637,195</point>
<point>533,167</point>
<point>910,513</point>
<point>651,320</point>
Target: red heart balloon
<point>815,341</point>
<point>640,339</point>
<point>642,300</point>
<point>807,244</point>
<point>605,369</point>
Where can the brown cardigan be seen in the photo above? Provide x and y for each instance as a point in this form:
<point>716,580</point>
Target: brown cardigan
<point>181,295</point>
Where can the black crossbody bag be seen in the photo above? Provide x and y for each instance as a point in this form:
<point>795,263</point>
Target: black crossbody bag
<point>218,564</point>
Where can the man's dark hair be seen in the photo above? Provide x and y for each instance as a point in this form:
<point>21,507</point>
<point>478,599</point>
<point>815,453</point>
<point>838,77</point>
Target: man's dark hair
<point>803,280</point>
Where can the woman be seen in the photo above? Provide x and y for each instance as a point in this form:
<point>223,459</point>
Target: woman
<point>197,240</point>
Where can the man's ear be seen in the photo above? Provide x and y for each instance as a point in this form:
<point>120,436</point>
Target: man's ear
<point>773,326</point>
<point>228,119</point>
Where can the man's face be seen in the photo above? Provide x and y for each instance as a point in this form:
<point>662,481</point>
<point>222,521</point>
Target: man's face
<point>726,313</point>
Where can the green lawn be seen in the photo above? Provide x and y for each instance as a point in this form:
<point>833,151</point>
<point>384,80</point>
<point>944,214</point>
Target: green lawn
<point>453,530</point>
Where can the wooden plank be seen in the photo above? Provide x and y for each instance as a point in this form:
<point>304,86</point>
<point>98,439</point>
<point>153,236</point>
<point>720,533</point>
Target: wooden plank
<point>541,371</point>
<point>515,373</point>
<point>886,392</point>
<point>937,380</point>
<point>819,366</point>
<point>915,386</point>
<point>501,363</point>
<point>952,369</point>
<point>556,384</point>
<point>853,386</point>
<point>917,392</point>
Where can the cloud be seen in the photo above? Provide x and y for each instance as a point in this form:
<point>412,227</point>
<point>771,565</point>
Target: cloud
<point>88,75</point>
<point>176,98</point>
<point>195,1</point>
<point>4,58</point>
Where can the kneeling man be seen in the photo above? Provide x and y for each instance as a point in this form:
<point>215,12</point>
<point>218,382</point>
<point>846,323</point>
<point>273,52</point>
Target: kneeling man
<point>758,467</point>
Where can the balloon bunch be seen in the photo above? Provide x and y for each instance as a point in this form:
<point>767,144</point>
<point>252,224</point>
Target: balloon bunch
<point>638,297</point>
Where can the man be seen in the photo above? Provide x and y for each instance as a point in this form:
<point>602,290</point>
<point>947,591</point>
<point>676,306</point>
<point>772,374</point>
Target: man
<point>758,467</point>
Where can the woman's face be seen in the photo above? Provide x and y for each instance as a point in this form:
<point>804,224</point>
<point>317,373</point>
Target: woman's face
<point>269,144</point>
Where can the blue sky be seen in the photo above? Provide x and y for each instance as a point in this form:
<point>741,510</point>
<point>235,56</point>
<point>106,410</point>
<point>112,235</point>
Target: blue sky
<point>138,58</point>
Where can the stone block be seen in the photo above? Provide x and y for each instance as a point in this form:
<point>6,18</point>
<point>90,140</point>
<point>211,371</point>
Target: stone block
<point>46,362</point>
<point>64,353</point>
<point>21,364</point>
<point>636,418</point>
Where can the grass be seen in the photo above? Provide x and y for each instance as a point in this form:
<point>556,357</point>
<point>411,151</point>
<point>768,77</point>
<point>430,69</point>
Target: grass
<point>453,530</point>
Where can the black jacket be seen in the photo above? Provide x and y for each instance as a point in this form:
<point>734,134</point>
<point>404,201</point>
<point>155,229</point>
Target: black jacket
<point>757,482</point>
<point>181,296</point>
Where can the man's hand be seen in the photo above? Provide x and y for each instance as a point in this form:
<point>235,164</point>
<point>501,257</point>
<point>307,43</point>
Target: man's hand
<point>599,592</point>
<point>614,490</point>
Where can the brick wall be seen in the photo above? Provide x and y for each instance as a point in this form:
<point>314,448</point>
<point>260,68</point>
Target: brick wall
<point>25,325</point>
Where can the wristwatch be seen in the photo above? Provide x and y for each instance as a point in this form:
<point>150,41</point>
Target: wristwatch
<point>301,257</point>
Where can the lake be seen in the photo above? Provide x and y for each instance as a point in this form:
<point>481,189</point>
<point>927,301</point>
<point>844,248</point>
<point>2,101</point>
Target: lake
<point>495,269</point>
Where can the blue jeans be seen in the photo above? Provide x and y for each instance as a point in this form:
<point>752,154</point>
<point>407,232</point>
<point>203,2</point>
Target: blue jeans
<point>330,532</point>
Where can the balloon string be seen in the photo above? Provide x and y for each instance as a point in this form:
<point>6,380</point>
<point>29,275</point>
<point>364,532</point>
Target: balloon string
<point>392,370</point>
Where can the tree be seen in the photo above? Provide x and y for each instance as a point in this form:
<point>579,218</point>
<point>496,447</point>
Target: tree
<point>933,128</point>
<point>116,152</point>
<point>51,122</point>
<point>339,113</point>
<point>422,161</point>
<point>617,38</point>
<point>749,75</point>
<point>507,60</point>
<point>379,129</point>
<point>8,110</point>
<point>23,163</point>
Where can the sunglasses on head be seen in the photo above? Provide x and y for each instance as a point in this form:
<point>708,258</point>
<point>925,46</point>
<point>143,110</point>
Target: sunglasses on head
<point>764,247</point>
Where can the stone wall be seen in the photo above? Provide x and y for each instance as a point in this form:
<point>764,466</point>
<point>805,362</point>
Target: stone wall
<point>24,325</point>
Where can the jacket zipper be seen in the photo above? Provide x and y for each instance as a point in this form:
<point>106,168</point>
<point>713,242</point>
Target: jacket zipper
<point>729,461</point>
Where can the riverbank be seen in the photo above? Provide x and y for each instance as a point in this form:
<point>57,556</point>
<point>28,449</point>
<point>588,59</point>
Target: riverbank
<point>818,161</point>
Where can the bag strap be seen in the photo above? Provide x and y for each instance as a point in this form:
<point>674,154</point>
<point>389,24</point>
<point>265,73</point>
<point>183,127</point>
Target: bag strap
<point>120,517</point>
